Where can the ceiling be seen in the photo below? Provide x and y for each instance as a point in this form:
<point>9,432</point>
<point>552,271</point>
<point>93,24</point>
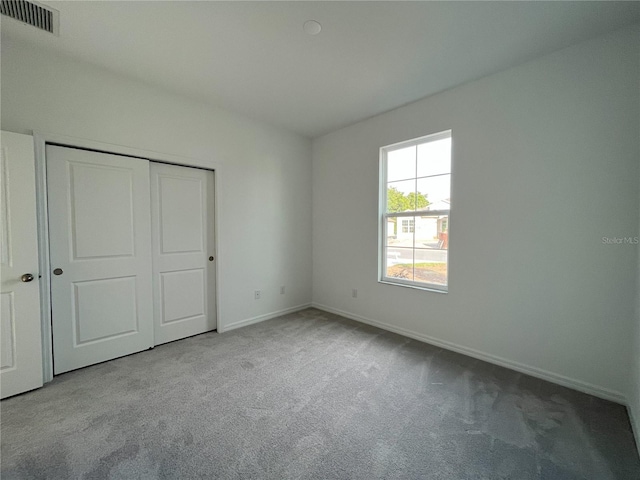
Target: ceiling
<point>255,59</point>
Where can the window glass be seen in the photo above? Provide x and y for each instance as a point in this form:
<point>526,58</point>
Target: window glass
<point>416,184</point>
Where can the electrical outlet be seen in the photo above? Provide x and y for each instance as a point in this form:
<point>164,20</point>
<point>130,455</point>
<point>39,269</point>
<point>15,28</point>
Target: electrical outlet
<point>257,294</point>
<point>282,290</point>
<point>354,293</point>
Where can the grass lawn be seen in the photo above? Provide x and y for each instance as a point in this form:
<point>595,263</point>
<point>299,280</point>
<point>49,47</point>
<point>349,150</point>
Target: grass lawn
<point>424,272</point>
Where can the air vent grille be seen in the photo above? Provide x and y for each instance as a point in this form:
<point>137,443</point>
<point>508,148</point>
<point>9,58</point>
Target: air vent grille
<point>31,13</point>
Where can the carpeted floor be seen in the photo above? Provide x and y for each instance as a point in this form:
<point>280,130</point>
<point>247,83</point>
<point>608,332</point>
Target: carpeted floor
<point>310,395</point>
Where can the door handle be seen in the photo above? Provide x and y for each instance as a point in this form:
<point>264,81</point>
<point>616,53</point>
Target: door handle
<point>27,277</point>
<point>57,271</point>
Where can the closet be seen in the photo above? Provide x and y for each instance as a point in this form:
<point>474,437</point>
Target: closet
<point>131,254</point>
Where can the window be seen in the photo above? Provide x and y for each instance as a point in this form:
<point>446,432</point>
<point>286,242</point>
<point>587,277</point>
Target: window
<point>407,225</point>
<point>415,199</point>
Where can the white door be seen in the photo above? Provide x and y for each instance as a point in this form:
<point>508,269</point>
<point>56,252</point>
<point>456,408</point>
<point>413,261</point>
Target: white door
<point>100,237</point>
<point>183,262</point>
<point>20,330</point>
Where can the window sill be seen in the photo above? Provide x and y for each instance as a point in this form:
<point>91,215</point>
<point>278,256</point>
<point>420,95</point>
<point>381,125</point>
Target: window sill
<point>416,287</point>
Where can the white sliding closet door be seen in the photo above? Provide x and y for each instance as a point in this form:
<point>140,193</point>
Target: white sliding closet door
<point>183,262</point>
<point>100,237</point>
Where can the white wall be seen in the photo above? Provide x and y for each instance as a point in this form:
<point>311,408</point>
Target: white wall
<point>264,188</point>
<point>545,165</point>
<point>633,396</point>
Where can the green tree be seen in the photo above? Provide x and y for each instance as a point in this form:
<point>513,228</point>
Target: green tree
<point>417,201</point>
<point>396,201</point>
<point>399,202</point>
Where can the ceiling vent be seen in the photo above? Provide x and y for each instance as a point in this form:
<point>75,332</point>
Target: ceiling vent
<point>39,16</point>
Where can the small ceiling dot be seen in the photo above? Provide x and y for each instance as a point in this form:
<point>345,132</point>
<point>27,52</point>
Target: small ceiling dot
<point>312,27</point>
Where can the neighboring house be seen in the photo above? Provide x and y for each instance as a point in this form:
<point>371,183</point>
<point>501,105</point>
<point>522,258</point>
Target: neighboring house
<point>431,231</point>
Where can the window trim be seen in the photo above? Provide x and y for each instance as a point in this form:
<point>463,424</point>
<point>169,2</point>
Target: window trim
<point>383,215</point>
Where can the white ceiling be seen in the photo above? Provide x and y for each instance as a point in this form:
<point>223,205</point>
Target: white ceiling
<point>254,58</point>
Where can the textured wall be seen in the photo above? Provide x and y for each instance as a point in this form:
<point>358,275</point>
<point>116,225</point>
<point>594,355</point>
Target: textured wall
<point>264,188</point>
<point>633,397</point>
<point>545,164</point>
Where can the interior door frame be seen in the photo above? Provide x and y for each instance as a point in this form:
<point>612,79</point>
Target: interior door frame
<point>41,140</point>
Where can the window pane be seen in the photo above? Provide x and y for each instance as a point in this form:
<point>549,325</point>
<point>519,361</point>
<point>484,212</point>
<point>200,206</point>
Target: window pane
<point>434,157</point>
<point>431,266</point>
<point>417,180</point>
<point>399,262</point>
<point>401,196</point>
<point>400,232</point>
<point>437,191</point>
<point>399,247</point>
<point>432,233</point>
<point>401,164</point>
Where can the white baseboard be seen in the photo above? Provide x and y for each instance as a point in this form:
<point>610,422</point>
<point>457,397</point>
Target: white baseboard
<point>261,318</point>
<point>574,384</point>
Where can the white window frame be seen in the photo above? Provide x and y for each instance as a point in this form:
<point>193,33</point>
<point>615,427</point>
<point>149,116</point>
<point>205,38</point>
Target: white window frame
<point>384,216</point>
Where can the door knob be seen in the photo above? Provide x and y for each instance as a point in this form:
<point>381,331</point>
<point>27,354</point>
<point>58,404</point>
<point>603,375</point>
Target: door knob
<point>57,271</point>
<point>27,277</point>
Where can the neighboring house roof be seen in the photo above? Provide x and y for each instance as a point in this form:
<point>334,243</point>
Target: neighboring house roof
<point>439,205</point>
<point>444,204</point>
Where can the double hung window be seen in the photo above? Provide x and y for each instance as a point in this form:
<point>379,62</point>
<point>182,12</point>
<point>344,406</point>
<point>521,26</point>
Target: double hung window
<point>415,194</point>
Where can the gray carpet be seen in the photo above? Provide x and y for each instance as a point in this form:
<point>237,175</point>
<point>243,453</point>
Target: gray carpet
<point>310,395</point>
